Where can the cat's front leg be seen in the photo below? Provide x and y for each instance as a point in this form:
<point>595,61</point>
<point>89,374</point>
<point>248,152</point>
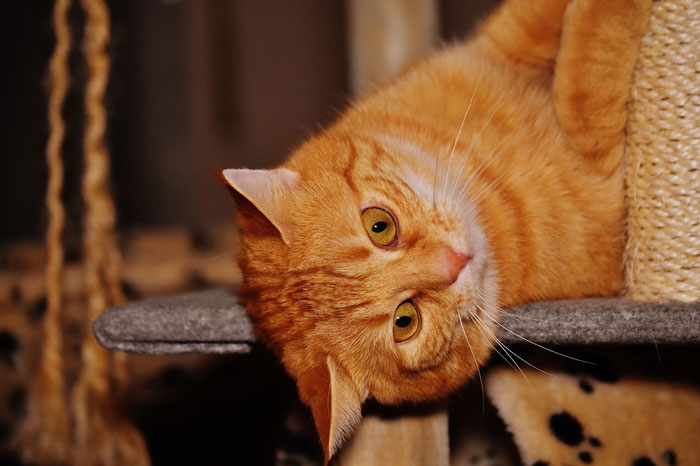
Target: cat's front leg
<point>599,47</point>
<point>526,35</point>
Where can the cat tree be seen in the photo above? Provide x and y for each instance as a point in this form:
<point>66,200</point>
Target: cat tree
<point>662,258</point>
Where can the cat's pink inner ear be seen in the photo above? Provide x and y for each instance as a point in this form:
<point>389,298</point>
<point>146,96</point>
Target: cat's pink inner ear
<point>269,191</point>
<point>336,403</point>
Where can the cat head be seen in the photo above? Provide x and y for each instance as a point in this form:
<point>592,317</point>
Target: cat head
<point>360,273</point>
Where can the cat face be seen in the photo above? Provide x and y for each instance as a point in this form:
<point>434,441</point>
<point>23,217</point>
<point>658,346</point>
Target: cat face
<point>370,272</point>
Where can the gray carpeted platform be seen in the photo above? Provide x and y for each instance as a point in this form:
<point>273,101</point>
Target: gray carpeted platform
<point>214,321</point>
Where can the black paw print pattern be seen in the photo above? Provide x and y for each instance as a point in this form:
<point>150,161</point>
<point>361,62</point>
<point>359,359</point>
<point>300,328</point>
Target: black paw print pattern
<point>600,370</point>
<point>668,458</point>
<point>8,347</point>
<point>568,430</point>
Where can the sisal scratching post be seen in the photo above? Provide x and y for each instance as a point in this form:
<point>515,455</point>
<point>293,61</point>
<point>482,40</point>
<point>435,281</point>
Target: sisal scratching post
<point>662,258</point>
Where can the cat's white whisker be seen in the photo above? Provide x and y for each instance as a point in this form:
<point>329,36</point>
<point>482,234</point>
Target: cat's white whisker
<point>493,155</point>
<point>508,358</point>
<point>480,323</point>
<point>518,316</point>
<point>493,347</point>
<point>475,140</point>
<point>530,341</point>
<point>466,184</point>
<point>454,144</point>
<point>230,251</point>
<point>476,364</point>
<point>499,310</point>
<point>486,189</point>
<point>503,345</point>
<point>483,192</point>
<point>437,160</point>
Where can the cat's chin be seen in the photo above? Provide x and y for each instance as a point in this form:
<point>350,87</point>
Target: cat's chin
<point>434,384</point>
<point>425,394</point>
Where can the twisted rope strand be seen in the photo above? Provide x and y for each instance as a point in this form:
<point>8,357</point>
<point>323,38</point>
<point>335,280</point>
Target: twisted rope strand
<point>92,389</point>
<point>103,435</point>
<point>44,436</point>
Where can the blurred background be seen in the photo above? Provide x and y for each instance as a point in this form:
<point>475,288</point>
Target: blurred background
<point>196,85</point>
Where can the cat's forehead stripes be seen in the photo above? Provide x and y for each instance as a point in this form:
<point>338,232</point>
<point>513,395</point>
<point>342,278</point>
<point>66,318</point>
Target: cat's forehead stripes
<point>383,177</point>
<point>348,171</point>
<point>372,321</point>
<point>326,271</point>
<point>392,190</point>
<point>425,172</point>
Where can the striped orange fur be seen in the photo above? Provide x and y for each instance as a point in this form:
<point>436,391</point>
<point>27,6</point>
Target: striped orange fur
<point>504,149</point>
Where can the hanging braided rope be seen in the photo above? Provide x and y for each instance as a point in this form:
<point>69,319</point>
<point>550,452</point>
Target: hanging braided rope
<point>102,434</point>
<point>44,437</point>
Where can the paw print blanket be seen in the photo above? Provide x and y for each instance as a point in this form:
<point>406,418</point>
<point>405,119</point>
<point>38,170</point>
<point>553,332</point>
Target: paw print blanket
<point>620,409</point>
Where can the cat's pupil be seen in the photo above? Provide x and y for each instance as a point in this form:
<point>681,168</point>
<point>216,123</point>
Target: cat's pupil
<point>403,321</point>
<point>379,227</point>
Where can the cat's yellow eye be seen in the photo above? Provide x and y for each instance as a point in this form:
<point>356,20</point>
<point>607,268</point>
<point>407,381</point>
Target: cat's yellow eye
<point>406,321</point>
<point>380,226</point>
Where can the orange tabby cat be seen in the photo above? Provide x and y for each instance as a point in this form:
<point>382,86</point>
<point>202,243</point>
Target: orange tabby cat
<point>378,256</point>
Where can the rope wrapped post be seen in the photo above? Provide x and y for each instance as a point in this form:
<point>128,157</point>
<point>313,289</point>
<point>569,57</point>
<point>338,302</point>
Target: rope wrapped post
<point>662,257</point>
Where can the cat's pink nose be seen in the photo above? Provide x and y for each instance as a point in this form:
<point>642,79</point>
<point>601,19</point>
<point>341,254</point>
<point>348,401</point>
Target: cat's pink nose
<point>454,262</point>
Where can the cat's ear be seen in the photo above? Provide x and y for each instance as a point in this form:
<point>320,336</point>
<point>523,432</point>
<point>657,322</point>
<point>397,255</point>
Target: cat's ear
<point>269,191</point>
<point>335,401</point>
